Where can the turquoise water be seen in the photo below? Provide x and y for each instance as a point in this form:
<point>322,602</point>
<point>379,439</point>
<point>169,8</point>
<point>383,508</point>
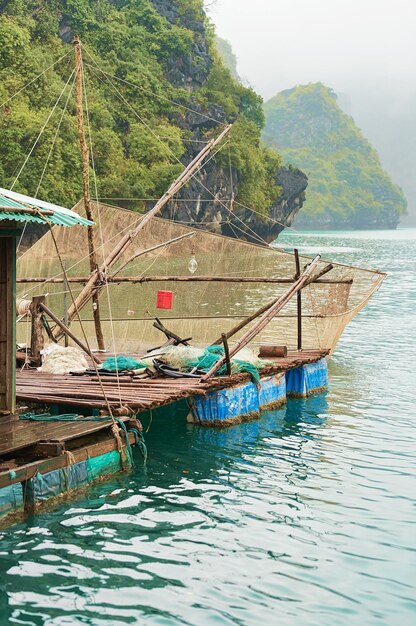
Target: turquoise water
<point>304,517</point>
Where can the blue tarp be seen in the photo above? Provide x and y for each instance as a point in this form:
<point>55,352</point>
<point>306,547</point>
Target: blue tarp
<point>238,402</point>
<point>307,379</point>
<point>11,499</point>
<point>272,390</point>
<point>44,486</point>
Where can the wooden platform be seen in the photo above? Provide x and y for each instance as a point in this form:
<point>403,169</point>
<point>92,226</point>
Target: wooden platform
<point>139,394</point>
<point>28,447</point>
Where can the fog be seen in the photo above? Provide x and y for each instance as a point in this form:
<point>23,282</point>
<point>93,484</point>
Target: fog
<point>363,49</point>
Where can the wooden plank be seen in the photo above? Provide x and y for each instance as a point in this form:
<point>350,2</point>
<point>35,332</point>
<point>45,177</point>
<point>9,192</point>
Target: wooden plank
<point>38,431</point>
<point>28,470</point>
<point>7,323</point>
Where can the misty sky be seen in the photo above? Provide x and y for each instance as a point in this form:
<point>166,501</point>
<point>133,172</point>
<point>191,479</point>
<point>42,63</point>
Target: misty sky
<point>364,49</point>
<point>343,43</point>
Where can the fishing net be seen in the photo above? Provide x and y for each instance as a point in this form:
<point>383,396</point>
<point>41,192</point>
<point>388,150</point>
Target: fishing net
<point>201,310</point>
<point>121,363</point>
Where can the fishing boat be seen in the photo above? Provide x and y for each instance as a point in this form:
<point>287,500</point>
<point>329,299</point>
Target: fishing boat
<point>226,326</point>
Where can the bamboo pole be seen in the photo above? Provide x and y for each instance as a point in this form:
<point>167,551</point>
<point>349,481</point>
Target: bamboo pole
<point>313,280</point>
<point>266,317</point>
<point>68,332</point>
<point>216,279</point>
<point>160,245</point>
<point>86,189</point>
<point>95,278</point>
<point>298,300</point>
<point>325,270</point>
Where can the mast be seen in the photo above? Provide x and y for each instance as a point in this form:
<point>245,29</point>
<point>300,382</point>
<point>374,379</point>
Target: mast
<point>95,281</point>
<point>86,188</point>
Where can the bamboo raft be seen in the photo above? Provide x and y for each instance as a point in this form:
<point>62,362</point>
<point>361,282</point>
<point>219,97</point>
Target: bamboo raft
<point>138,394</point>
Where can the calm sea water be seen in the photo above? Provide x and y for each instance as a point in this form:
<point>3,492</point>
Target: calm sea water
<point>304,517</point>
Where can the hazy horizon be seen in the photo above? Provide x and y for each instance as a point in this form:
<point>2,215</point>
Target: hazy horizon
<point>364,50</point>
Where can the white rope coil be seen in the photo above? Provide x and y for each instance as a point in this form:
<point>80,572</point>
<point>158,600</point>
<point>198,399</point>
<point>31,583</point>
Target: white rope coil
<point>23,307</point>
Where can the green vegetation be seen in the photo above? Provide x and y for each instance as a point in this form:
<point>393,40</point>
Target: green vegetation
<point>227,55</point>
<point>132,40</point>
<point>347,184</point>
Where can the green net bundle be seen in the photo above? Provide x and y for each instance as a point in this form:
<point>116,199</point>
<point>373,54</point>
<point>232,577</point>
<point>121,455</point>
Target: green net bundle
<point>213,353</point>
<point>121,363</point>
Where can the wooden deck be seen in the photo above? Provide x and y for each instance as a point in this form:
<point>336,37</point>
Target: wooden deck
<point>138,394</point>
<point>29,447</point>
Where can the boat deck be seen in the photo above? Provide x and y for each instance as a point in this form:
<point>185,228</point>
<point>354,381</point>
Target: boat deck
<point>138,394</point>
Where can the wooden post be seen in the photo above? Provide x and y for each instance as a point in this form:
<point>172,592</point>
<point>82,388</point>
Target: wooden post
<point>65,318</point>
<point>226,353</point>
<point>70,334</point>
<point>299,300</point>
<point>37,339</point>
<point>7,321</point>
<point>86,188</point>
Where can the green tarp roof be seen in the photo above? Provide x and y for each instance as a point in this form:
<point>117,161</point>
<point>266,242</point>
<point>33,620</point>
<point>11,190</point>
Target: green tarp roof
<point>11,202</point>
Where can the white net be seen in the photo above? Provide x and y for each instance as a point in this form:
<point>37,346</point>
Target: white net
<point>201,310</point>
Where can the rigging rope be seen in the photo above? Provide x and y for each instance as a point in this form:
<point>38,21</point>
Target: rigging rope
<point>47,159</point>
<point>42,130</point>
<point>107,75</point>
<point>34,80</point>
<point>178,104</point>
<point>123,99</point>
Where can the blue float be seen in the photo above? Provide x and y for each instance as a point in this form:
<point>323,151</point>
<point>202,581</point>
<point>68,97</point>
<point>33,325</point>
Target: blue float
<point>243,402</point>
<point>308,379</point>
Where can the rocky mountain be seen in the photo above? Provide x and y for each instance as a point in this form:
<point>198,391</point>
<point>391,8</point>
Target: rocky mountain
<point>348,187</point>
<point>140,58</point>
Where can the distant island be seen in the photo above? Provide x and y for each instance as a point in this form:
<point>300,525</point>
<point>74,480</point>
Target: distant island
<point>348,187</point>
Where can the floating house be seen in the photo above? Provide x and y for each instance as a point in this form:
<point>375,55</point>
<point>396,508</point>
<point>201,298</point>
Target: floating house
<point>49,454</point>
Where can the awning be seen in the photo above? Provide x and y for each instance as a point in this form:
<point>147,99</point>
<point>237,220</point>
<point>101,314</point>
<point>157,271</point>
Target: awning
<point>19,208</point>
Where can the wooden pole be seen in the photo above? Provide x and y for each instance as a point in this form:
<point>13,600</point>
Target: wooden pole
<point>37,341</point>
<point>143,252</point>
<point>325,270</point>
<point>267,316</point>
<point>86,187</point>
<point>226,353</point>
<point>216,279</point>
<point>66,290</point>
<point>70,334</point>
<point>299,301</point>
<point>95,279</point>
<point>7,321</point>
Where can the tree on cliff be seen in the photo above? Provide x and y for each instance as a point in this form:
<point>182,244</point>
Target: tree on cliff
<point>161,47</point>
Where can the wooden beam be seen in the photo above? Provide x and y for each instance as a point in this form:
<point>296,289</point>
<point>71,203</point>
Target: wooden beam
<point>226,353</point>
<point>86,186</point>
<point>201,278</point>
<point>36,338</point>
<point>7,324</point>
<point>298,301</point>
<point>70,334</point>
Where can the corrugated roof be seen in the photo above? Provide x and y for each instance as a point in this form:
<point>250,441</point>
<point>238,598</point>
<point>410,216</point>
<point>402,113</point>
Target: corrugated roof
<point>55,214</point>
